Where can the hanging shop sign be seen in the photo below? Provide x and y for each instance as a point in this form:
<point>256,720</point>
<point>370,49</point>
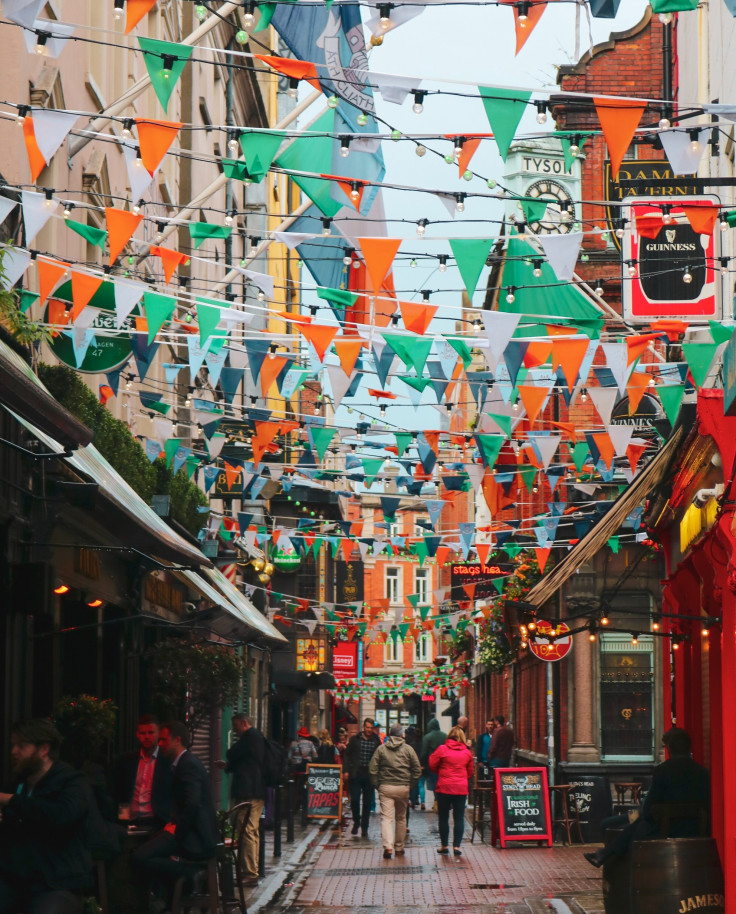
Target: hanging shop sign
<point>672,275</point>
<point>522,801</point>
<point>345,660</point>
<point>480,574</point>
<point>310,654</point>
<point>111,347</point>
<point>349,578</point>
<point>324,791</point>
<point>286,561</point>
<point>551,642</point>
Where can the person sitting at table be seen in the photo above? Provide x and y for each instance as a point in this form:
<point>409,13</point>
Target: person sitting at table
<point>44,859</point>
<point>678,780</point>
<point>192,834</point>
<point>143,778</point>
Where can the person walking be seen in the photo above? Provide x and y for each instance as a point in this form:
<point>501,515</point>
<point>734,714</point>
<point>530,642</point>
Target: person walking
<point>502,744</point>
<point>433,738</point>
<point>327,754</point>
<point>453,764</point>
<point>394,769</point>
<point>358,757</point>
<point>244,760</point>
<point>414,739</point>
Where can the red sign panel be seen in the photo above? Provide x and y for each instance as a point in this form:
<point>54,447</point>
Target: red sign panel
<point>673,274</point>
<point>550,643</point>
<point>345,660</point>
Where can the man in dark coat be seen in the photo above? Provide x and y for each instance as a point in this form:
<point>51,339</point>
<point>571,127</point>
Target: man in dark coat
<point>433,738</point>
<point>358,757</point>
<point>679,780</point>
<point>244,761</point>
<point>44,861</point>
<point>192,833</point>
<point>143,778</point>
<point>502,744</point>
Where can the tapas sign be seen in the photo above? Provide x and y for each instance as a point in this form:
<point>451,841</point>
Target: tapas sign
<point>324,791</point>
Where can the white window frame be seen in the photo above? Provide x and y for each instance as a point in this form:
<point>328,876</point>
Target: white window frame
<point>423,648</point>
<point>424,575</point>
<point>393,574</point>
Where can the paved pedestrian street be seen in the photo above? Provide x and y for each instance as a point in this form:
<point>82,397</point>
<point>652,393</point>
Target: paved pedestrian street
<point>351,877</point>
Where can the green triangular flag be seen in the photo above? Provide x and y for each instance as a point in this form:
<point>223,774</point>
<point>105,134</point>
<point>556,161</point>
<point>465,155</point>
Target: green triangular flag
<point>490,447</point>
<point>420,384</point>
<point>266,10</point>
<point>313,154</point>
<point>412,351</point>
<point>512,549</point>
<point>158,309</point>
<point>615,543</point>
<point>170,448</point>
<point>413,598</point>
<point>673,6</point>
<point>528,475</point>
<point>93,235</point>
<point>566,143</point>
<point>321,438</point>
<point>371,468</point>
<point>498,583</point>
<point>720,333</point>
<point>191,465</point>
<point>424,612</point>
<point>470,256</point>
<point>165,63</point>
<point>504,423</point>
<point>235,168</point>
<point>462,349</point>
<point>200,232</point>
<point>403,440</point>
<point>419,549</point>
<point>27,298</point>
<point>698,357</point>
<point>534,210</point>
<point>579,454</point>
<point>338,298</point>
<point>208,317</point>
<point>670,397</point>
<point>504,110</point>
<point>260,150</point>
<point>395,635</point>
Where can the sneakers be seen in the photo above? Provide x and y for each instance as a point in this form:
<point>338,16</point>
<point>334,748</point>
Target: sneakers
<point>400,853</point>
<point>387,855</point>
<point>594,858</point>
<point>457,852</point>
<point>443,850</point>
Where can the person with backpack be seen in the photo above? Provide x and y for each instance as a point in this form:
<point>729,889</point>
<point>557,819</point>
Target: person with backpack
<point>327,753</point>
<point>245,761</point>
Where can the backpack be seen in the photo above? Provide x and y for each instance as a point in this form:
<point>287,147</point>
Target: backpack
<point>274,763</point>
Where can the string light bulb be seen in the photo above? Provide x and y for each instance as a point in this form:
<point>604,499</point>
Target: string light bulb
<point>348,258</point>
<point>420,150</point>
<point>687,276</point>
<point>599,287</point>
<point>522,11</point>
<point>201,11</point>
<point>422,226</point>
<point>49,194</point>
<point>138,162</point>
<point>443,263</point>
<point>667,217</point>
<point>631,268</point>
<point>419,97</point>
<point>168,64</point>
<point>695,145</point>
<point>344,146</point>
<point>138,207</point>
<point>723,223</point>
<point>664,120</point>
<point>384,16</point>
<point>22,114</point>
<point>41,39</point>
<point>537,271</point>
<point>460,203</point>
<point>510,295</point>
<point>233,146</point>
<point>355,190</point>
<point>541,112</point>
<point>118,10</point>
<point>724,266</point>
<point>230,217</point>
<point>248,17</point>
<point>326,226</point>
<point>574,146</point>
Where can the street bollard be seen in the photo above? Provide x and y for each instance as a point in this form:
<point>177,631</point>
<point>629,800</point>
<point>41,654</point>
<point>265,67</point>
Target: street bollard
<point>290,810</point>
<point>277,821</point>
<point>303,789</point>
<point>262,846</point>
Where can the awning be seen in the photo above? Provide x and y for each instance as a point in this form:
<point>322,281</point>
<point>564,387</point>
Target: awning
<point>22,392</point>
<point>234,624</point>
<point>140,526</point>
<point>597,536</point>
<point>243,605</point>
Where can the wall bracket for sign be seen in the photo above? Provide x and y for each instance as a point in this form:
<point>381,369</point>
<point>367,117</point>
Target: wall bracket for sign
<point>522,798</point>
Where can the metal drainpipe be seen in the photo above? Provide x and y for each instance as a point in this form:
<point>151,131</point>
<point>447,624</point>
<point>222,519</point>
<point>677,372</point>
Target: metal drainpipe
<point>667,63</point>
<point>229,186</point>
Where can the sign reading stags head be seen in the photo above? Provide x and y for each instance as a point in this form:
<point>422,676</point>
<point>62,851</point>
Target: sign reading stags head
<point>669,270</point>
<point>475,581</point>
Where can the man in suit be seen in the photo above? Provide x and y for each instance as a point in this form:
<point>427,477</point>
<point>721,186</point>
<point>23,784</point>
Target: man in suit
<point>143,778</point>
<point>191,834</point>
<point>244,761</point>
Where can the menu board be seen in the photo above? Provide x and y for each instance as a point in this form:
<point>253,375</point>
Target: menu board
<point>324,791</point>
<point>592,796</point>
<point>523,805</point>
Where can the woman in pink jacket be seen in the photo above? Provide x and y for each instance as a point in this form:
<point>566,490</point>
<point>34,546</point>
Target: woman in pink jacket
<point>453,763</point>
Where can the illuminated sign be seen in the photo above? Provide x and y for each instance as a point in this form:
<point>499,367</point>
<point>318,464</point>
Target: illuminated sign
<point>310,655</point>
<point>479,574</point>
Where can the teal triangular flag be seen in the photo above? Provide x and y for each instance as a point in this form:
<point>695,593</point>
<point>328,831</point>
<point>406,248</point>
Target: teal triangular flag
<point>159,309</point>
<point>260,150</point>
<point>235,169</point>
<point>504,109</point>
<point>403,440</point>
<point>313,154</point>
<point>699,357</point>
<point>208,317</point>
<point>670,397</point>
<point>338,298</point>
<point>165,63</point>
<point>200,232</point>
<point>719,332</point>
<point>490,447</point>
<point>321,438</point>
<point>26,299</point>
<point>413,352</point>
<point>503,422</point>
<point>470,256</point>
<point>371,468</point>
<point>93,235</point>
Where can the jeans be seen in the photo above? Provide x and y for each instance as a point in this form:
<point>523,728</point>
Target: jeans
<point>361,787</point>
<point>154,861</point>
<point>456,803</point>
<point>18,896</point>
<point>417,794</point>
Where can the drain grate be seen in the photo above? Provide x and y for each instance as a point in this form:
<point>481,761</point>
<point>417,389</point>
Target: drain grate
<point>378,871</point>
<point>494,885</point>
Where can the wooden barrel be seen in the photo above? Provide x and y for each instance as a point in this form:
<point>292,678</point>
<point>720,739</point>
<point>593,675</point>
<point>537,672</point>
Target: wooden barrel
<point>616,881</point>
<point>676,876</point>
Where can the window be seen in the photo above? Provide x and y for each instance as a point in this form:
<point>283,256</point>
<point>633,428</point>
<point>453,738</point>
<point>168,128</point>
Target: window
<point>393,589</point>
<point>627,714</point>
<point>422,652</point>
<point>393,650</point>
<point>421,585</point>
<point>394,528</point>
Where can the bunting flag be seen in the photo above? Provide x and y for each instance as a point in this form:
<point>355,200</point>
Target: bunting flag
<point>135,10</point>
<point>319,335</point>
<point>378,254</point>
<point>50,274</point>
<point>170,260</point>
<point>159,309</point>
<point>701,218</point>
<point>470,256</point>
<point>51,128</point>
<point>417,316</point>
<point>562,252</point>
<point>84,287</point>
<point>348,350</point>
<point>504,110</point>
<point>259,150</point>
<point>200,232</point>
<point>684,155</point>
<point>94,236</point>
<point>294,69</point>
<point>37,211</point>
<point>165,63</point>
<point>120,227</point>
<point>524,27</point>
<point>619,120</point>
<point>154,141</point>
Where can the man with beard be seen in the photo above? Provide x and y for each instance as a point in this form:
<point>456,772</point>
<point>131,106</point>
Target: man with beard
<point>44,862</point>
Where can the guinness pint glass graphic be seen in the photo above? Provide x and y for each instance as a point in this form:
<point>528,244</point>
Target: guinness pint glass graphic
<point>664,259</point>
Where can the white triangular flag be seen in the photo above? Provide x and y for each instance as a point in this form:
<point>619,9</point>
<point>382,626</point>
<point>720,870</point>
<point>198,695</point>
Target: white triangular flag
<point>264,281</point>
<point>620,436</point>
<point>684,153</point>
<point>138,177</point>
<point>6,207</point>
<point>562,253</point>
<point>500,327</point>
<point>394,89</point>
<point>545,447</point>
<point>475,472</point>
<point>617,357</point>
<point>309,624</point>
<point>294,239</point>
<point>15,263</point>
<point>51,129</point>
<point>127,296</point>
<point>604,399</point>
<point>37,211</point>
<point>58,34</point>
<point>339,382</point>
<point>23,12</point>
<point>449,201</point>
<point>399,15</point>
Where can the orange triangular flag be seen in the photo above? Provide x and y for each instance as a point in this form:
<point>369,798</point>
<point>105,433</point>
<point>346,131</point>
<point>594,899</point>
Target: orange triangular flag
<point>470,590</point>
<point>619,120</point>
<point>483,549</point>
<point>35,156</point>
<point>347,548</point>
<point>347,187</point>
<point>637,345</point>
<point>433,440</point>
<point>265,433</point>
<point>378,254</point>
<point>135,10</point>
<point>701,218</point>
<point>231,474</point>
<point>649,225</point>
<point>537,353</point>
<point>58,314</point>
<point>468,150</point>
<point>170,260</point>
<point>120,226</point>
<point>568,428</point>
<point>269,372</point>
<point>443,553</point>
<point>673,328</point>
<point>634,452</point>
<point>605,447</point>
<point>319,335</point>
<point>50,273</point>
<point>569,354</point>
<point>154,140</point>
<point>542,557</point>
<point>295,69</point>
<point>524,27</point>
<point>638,383</point>
<point>417,316</point>
<point>533,399</point>
<point>348,349</point>
<point>84,287</point>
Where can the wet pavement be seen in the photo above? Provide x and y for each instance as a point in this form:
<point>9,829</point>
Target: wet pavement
<point>345,875</point>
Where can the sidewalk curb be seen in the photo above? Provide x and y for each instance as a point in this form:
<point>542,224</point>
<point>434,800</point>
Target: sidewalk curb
<point>276,882</point>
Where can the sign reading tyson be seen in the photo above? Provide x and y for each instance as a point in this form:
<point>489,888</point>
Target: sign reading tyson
<point>671,265</point>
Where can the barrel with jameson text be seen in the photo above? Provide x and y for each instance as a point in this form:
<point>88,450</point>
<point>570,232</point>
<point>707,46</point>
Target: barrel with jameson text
<point>676,876</point>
